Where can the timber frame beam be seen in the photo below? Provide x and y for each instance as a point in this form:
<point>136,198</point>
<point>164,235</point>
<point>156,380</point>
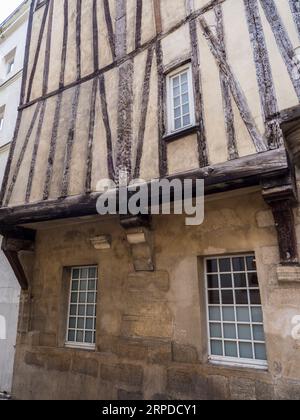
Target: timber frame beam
<point>15,241</point>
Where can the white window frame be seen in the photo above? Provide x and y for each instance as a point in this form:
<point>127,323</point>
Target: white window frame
<point>84,345</point>
<point>170,98</point>
<point>2,112</point>
<point>225,360</point>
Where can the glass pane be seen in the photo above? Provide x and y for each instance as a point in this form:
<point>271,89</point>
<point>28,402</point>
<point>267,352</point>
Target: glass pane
<point>81,310</point>
<point>227,297</point>
<point>91,298</point>
<point>228,314</point>
<point>75,273</point>
<point>253,280</point>
<point>92,285</point>
<point>260,352</point>
<point>84,273</point>
<point>72,323</point>
<point>255,297</point>
<point>214,314</point>
<point>215,330</point>
<point>238,264</point>
<point>229,331</point>
<point>240,280</point>
<point>213,297</point>
<point>75,285</point>
<point>71,336</point>
<point>79,337</point>
<point>212,266</point>
<point>184,88</point>
<point>185,109</point>
<point>177,123</point>
<point>73,309</point>
<point>176,91</point>
<point>90,310</point>
<point>243,314</point>
<point>241,297</point>
<point>185,99</point>
<point>177,102</point>
<point>83,285</point>
<point>257,314</point>
<point>74,297</point>
<point>226,281</point>
<point>89,338</point>
<point>251,264</point>
<point>186,120</point>
<point>225,266</point>
<point>80,323</point>
<point>92,273</point>
<point>258,333</point>
<point>82,297</point>
<point>246,351</point>
<point>89,324</point>
<point>231,349</point>
<point>244,332</point>
<point>177,112</point>
<point>176,81</point>
<point>212,281</point>
<point>216,348</point>
<point>184,78</point>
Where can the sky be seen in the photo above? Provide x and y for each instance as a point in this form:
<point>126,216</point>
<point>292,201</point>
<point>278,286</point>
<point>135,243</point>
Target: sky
<point>7,7</point>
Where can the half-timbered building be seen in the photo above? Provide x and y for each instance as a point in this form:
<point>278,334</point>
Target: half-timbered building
<point>149,308</point>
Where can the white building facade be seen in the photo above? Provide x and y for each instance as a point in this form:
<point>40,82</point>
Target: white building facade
<point>12,47</point>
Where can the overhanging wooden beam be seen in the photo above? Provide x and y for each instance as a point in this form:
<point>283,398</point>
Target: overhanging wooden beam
<point>239,173</point>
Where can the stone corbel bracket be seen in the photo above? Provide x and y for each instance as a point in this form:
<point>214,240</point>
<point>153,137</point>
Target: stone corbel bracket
<point>140,238</point>
<point>101,243</point>
<point>13,245</point>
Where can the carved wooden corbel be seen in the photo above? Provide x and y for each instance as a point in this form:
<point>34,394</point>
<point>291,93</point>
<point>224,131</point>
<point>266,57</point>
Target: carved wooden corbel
<point>13,244</point>
<point>139,237</point>
<point>280,193</point>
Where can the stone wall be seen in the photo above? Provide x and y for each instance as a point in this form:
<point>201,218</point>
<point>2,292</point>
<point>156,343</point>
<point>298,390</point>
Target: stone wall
<point>151,327</point>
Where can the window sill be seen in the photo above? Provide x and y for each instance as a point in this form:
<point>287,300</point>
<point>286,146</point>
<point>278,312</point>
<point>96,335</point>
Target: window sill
<point>177,135</point>
<point>236,365</point>
<point>85,347</point>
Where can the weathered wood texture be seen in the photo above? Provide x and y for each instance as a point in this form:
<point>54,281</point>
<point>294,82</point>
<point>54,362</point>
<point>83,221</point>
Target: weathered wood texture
<point>127,113</point>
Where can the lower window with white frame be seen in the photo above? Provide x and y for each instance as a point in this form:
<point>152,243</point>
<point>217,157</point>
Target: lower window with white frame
<point>234,311</point>
<point>81,331</point>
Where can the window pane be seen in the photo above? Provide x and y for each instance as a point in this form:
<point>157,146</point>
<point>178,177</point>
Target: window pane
<point>81,310</point>
<point>91,298</point>
<point>238,264</point>
<point>229,331</point>
<point>177,112</point>
<point>227,297</point>
<point>213,281</point>
<point>73,310</point>
<point>224,265</point>
<point>184,78</point>
<point>71,336</point>
<point>246,351</point>
<point>177,102</point>
<point>215,331</point>
<point>176,91</point>
<point>74,297</point>
<point>176,81</point>
<point>186,120</point>
<point>82,297</point>
<point>214,314</point>
<point>214,297</point>
<point>80,323</point>
<point>90,310</point>
<point>212,266</point>
<point>185,99</point>
<point>260,352</point>
<point>89,324</point>
<point>185,109</point>
<point>251,264</point>
<point>177,123</point>
<point>84,273</point>
<point>216,348</point>
<point>231,349</point>
<point>228,314</point>
<point>243,314</point>
<point>72,323</point>
<point>240,280</point>
<point>257,314</point>
<point>89,337</point>
<point>258,333</point>
<point>83,285</point>
<point>184,88</point>
<point>255,297</point>
<point>226,281</point>
<point>79,336</point>
<point>75,273</point>
<point>92,285</point>
<point>241,297</point>
<point>75,285</point>
<point>244,332</point>
<point>253,280</point>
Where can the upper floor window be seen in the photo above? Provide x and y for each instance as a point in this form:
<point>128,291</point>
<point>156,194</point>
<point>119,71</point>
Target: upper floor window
<point>181,112</point>
<point>10,62</point>
<point>2,111</point>
<point>81,331</point>
<point>235,317</point>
